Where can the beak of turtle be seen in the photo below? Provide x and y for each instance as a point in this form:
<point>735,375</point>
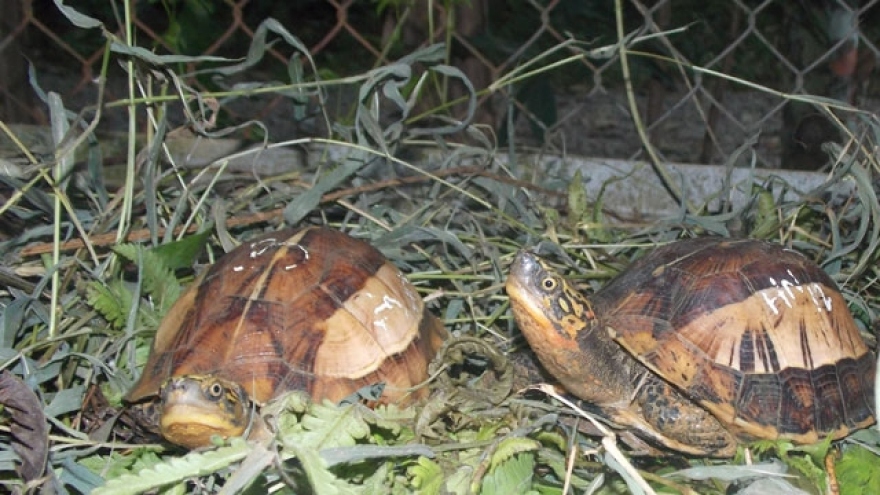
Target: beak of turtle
<point>523,271</point>
<point>526,300</point>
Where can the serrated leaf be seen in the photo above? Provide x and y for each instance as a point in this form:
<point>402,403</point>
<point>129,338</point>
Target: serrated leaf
<point>427,476</point>
<point>389,417</point>
<point>158,280</point>
<point>322,480</point>
<point>326,425</point>
<point>510,477</point>
<point>111,301</point>
<point>117,464</point>
<point>377,483</point>
<point>552,438</point>
<point>511,446</point>
<point>459,482</point>
<point>488,432</point>
<point>176,469</point>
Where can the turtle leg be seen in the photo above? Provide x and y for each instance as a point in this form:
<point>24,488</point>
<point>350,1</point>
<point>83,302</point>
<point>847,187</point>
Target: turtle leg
<point>680,424</point>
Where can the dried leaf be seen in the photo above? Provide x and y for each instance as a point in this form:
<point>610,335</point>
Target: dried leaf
<point>30,433</point>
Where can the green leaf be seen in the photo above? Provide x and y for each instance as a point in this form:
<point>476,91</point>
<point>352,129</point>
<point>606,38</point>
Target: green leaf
<point>510,447</point>
<point>858,471</point>
<point>381,483</point>
<point>488,432</point>
<point>808,460</point>
<point>158,281</point>
<point>331,426</point>
<point>78,19</point>
<point>766,212</point>
<point>357,453</point>
<point>552,438</point>
<point>176,469</point>
<point>731,472</point>
<point>322,480</point>
<point>250,469</point>
<point>182,254</point>
<point>510,477</point>
<point>577,200</point>
<point>260,46</point>
<point>322,426</point>
<point>65,401</point>
<point>117,464</point>
<point>156,59</point>
<point>427,477</point>
<point>303,204</point>
<point>111,301</point>
<point>79,477</point>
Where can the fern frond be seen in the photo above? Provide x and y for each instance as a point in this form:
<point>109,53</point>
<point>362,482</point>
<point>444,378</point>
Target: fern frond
<point>111,300</point>
<point>176,469</point>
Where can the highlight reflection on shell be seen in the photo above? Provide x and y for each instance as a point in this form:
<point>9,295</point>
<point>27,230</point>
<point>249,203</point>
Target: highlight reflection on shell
<point>311,309</point>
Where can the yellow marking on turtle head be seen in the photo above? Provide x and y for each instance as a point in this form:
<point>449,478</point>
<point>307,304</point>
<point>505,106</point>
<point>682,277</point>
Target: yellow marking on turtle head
<point>534,283</point>
<point>198,407</point>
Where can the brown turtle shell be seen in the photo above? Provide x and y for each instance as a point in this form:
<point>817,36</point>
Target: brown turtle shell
<point>756,334</point>
<point>311,309</point>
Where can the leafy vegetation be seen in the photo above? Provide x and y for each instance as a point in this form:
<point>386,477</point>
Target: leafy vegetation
<point>444,204</point>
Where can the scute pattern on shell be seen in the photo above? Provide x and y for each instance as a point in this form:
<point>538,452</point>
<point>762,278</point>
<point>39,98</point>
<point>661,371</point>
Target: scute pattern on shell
<point>311,309</point>
<point>757,334</point>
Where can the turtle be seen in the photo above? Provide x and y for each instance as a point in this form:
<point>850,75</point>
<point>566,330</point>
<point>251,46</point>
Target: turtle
<point>309,309</point>
<point>703,345</point>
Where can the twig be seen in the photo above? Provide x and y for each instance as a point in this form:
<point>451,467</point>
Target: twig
<point>609,439</point>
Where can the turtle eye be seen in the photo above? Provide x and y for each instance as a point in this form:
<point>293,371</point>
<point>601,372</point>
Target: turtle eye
<point>548,283</point>
<point>215,391</point>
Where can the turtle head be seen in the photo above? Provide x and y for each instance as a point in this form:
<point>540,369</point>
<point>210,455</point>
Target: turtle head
<point>197,407</point>
<point>545,305</point>
<point>565,333</point>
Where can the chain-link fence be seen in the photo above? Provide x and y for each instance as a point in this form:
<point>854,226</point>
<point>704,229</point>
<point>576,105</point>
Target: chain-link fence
<point>677,52</point>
